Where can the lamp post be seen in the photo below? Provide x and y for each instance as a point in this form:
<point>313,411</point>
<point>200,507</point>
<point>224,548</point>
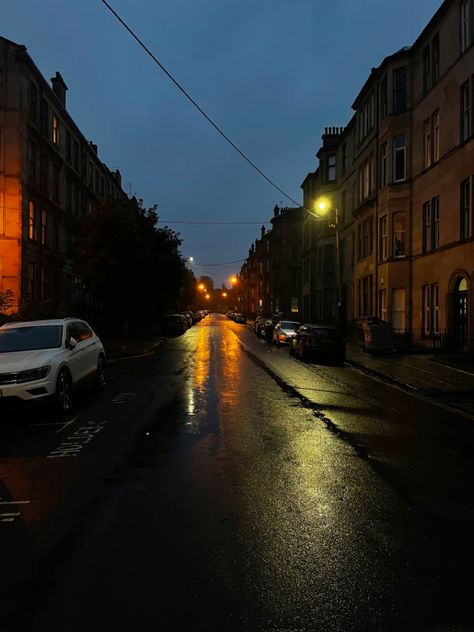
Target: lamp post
<point>323,206</point>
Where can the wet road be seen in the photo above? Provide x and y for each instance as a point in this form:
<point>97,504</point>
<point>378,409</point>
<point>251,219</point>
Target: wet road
<point>234,488</point>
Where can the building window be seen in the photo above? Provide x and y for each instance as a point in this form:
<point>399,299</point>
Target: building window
<point>44,227</point>
<point>399,234</point>
<point>431,64</point>
<point>331,168</point>
<point>43,284</point>
<point>33,107</point>
<point>44,126</point>
<point>398,309</point>
<point>431,225</point>
<point>68,146</point>
<point>399,90</point>
<point>436,139</point>
<point>32,161</point>
<point>383,98</point>
<point>365,238</point>
<point>466,24</point>
<point>55,173</point>
<point>383,165</point>
<point>55,130</point>
<point>383,236</point>
<point>465,103</point>
<point>365,296</point>
<point>426,69</point>
<point>399,158</point>
<point>30,280</point>
<point>75,155</point>
<point>427,149</point>
<point>383,304</point>
<point>430,302</point>
<point>44,173</point>
<point>31,220</point>
<point>466,218</point>
<point>344,158</point>
<point>435,58</point>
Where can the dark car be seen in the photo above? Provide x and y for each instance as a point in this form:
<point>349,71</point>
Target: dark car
<point>316,341</point>
<point>174,324</point>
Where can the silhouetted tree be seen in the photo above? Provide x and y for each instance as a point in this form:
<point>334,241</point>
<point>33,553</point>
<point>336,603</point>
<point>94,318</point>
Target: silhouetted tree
<point>132,269</point>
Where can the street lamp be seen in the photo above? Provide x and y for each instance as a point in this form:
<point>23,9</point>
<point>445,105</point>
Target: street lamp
<point>322,207</point>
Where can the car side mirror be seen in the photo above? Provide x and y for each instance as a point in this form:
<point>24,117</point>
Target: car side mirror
<point>71,343</point>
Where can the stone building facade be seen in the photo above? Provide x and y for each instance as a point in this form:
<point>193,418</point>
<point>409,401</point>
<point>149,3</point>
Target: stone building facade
<point>51,178</point>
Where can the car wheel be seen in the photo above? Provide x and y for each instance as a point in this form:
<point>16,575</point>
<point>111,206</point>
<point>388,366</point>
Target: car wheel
<point>63,393</point>
<point>101,375</point>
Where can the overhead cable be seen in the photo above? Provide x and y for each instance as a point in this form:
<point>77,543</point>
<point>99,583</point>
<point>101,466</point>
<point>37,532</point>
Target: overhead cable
<point>196,105</point>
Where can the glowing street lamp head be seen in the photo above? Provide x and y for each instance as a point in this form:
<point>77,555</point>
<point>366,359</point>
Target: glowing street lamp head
<point>202,287</point>
<point>233,279</point>
<point>208,296</point>
<point>322,205</point>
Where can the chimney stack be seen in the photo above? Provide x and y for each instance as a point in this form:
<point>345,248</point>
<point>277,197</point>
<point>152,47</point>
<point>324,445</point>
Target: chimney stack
<point>59,88</point>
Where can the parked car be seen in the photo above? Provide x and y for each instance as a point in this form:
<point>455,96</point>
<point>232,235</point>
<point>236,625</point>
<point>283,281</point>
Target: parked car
<point>283,331</point>
<point>174,324</point>
<point>49,358</point>
<point>239,318</point>
<point>318,341</point>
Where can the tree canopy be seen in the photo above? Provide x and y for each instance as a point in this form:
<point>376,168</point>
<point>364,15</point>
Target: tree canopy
<point>132,269</point>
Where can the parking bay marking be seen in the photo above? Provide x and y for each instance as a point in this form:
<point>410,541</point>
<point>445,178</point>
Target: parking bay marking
<point>76,441</point>
<point>10,516</point>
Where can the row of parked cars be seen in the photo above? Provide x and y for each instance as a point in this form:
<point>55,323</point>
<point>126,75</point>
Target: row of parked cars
<point>305,340</point>
<point>237,317</point>
<point>179,323</point>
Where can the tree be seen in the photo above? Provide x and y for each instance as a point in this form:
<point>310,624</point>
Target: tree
<point>132,269</point>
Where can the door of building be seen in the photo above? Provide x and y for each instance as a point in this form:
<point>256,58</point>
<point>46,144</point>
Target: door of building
<point>460,314</point>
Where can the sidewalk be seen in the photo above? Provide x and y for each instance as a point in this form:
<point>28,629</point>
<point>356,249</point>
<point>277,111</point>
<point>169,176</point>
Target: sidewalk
<point>443,378</point>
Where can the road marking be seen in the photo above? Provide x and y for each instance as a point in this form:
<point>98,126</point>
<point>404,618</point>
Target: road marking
<point>14,502</point>
<point>123,398</point>
<point>63,424</point>
<point>76,442</point>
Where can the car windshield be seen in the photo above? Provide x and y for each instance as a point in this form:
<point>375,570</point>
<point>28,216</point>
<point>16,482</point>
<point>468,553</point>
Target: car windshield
<point>289,324</point>
<point>30,338</point>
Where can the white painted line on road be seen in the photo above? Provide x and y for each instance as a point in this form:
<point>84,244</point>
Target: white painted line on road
<point>14,502</point>
<point>63,424</point>
<point>8,515</point>
<point>7,519</point>
<point>75,443</point>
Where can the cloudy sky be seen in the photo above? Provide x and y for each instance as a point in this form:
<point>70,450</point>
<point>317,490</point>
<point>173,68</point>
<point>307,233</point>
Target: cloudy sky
<point>270,73</point>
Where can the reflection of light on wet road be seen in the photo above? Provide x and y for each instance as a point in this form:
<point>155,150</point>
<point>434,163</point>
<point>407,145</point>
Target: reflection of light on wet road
<point>197,385</point>
<point>231,370</point>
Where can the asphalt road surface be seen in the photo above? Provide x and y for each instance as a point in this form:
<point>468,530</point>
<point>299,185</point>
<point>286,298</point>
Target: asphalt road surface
<point>218,484</point>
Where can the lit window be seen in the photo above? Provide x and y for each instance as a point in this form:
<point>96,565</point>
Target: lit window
<point>55,130</point>
<point>399,234</point>
<point>31,220</point>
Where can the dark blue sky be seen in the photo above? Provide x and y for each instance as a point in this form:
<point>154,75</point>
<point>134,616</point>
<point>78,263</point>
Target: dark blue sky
<point>271,73</point>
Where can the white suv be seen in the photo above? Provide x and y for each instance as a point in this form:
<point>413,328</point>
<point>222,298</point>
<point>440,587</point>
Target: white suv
<point>41,358</point>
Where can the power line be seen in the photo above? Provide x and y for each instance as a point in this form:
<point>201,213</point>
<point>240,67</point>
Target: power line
<point>198,107</point>
<point>172,221</point>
